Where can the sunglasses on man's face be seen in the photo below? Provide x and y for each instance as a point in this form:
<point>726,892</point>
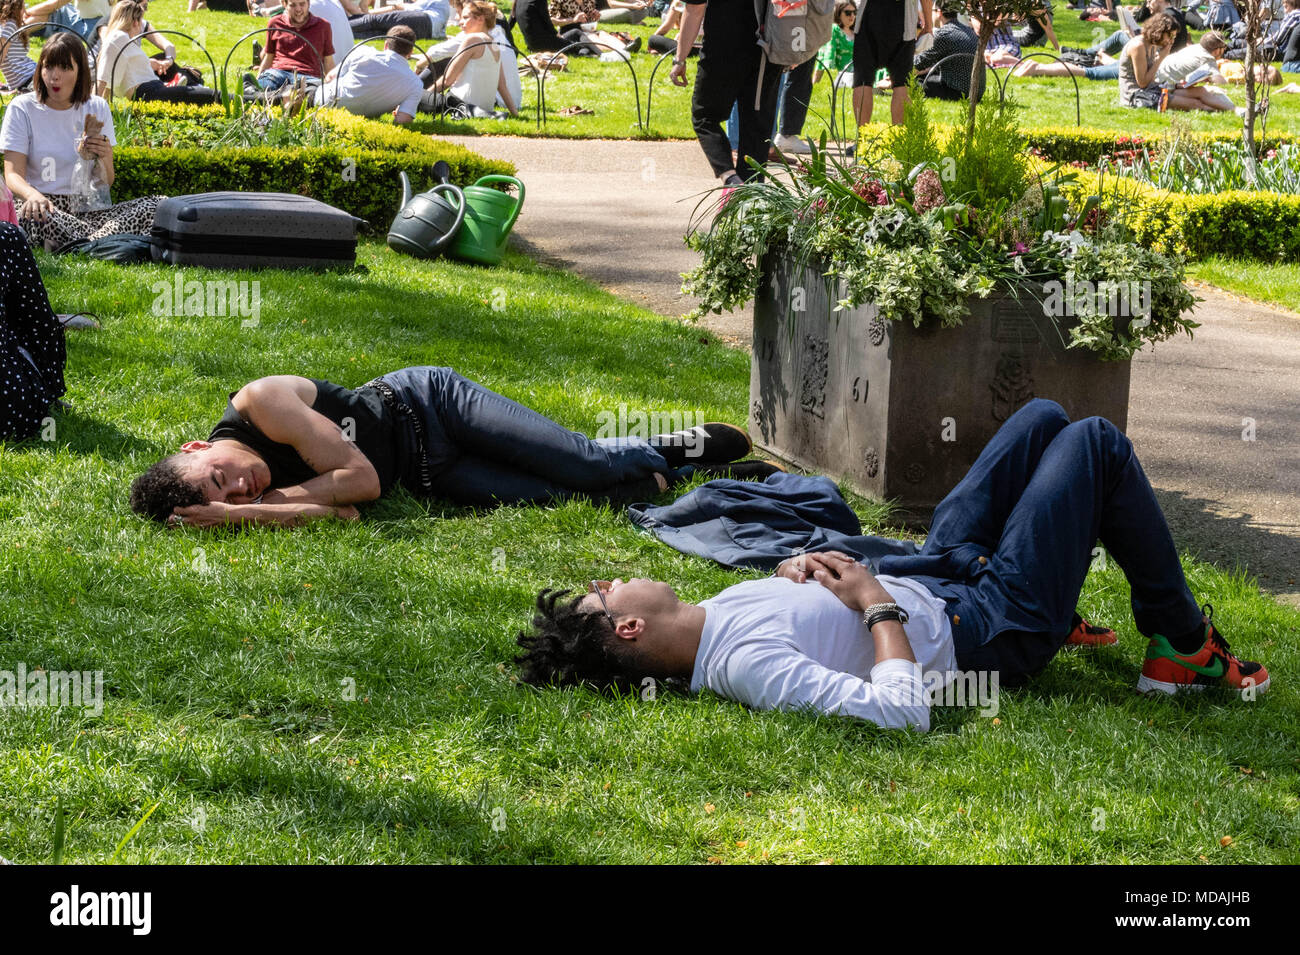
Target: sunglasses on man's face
<point>595,588</point>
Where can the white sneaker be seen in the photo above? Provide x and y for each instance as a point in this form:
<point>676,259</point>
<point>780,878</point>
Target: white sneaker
<point>791,144</point>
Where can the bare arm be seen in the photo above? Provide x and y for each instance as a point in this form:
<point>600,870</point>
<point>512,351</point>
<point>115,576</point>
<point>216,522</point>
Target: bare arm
<point>504,90</point>
<point>220,514</point>
<point>277,406</point>
<point>16,177</point>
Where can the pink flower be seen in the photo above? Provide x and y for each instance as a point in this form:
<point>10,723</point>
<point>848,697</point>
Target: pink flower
<point>928,192</point>
<point>1020,249</point>
<point>872,192</point>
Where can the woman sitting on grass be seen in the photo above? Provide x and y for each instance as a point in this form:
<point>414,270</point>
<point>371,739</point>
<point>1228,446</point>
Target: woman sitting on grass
<point>1138,87</point>
<point>290,450</point>
<point>58,145</point>
<point>18,67</point>
<point>124,66</point>
<point>474,76</point>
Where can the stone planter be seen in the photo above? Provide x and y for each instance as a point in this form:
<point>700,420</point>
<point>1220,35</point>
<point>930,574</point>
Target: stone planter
<point>900,412</point>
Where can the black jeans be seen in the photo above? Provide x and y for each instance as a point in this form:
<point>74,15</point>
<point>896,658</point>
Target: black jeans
<point>725,75</point>
<point>798,93</point>
<point>484,449</point>
<point>160,91</point>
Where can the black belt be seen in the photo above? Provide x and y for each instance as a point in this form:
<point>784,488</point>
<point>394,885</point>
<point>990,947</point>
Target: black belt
<point>402,410</point>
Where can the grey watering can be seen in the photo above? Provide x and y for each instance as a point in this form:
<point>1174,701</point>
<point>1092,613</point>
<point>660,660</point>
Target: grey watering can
<point>427,223</point>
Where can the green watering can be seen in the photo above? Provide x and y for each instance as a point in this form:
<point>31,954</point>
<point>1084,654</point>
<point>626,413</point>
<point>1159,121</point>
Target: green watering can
<point>489,216</point>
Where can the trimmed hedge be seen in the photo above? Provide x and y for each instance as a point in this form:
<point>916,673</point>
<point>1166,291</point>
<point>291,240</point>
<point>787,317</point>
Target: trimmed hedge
<point>1082,144</point>
<point>359,174</point>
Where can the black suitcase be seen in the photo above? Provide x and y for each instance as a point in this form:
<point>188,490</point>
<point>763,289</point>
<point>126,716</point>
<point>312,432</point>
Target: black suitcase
<point>234,230</point>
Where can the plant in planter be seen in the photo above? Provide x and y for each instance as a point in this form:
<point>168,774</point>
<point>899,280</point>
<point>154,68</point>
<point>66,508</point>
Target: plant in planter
<point>927,234</point>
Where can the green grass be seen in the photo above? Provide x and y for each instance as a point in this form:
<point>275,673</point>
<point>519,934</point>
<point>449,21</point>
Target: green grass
<point>607,88</point>
<point>228,657</point>
<point>1274,282</point>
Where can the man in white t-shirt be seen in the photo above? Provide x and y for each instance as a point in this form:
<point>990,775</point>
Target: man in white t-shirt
<point>374,82</point>
<point>993,590</point>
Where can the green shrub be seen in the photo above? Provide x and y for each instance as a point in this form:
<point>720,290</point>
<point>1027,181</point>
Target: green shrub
<point>1072,144</point>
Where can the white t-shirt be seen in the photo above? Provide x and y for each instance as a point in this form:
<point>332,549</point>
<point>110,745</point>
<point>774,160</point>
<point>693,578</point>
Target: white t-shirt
<point>1178,66</point>
<point>48,138</point>
<point>127,63</point>
<point>375,82</point>
<point>777,644</point>
<point>332,12</point>
<point>911,17</point>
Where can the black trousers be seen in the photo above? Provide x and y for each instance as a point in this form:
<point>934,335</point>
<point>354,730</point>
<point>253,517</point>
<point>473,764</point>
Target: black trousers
<point>160,91</point>
<point>32,352</point>
<point>727,74</point>
<point>936,88</point>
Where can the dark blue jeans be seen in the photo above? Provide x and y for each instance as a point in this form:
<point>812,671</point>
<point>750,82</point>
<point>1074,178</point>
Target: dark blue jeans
<point>484,449</point>
<point>1020,528</point>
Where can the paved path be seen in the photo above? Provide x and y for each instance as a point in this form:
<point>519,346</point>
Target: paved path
<point>615,212</point>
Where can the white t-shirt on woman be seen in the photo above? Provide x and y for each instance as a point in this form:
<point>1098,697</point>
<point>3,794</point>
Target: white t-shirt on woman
<point>126,62</point>
<point>48,138</point>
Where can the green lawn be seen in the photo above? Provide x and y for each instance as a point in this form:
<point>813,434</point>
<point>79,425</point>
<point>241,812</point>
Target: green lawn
<point>1275,282</point>
<point>229,659</point>
<point>607,88</point>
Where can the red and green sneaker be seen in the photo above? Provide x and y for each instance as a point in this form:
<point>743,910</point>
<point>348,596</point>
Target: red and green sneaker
<point>1168,671</point>
<point>1087,634</point>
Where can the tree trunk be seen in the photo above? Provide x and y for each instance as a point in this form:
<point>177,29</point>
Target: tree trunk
<point>1252,39</point>
<point>986,31</point>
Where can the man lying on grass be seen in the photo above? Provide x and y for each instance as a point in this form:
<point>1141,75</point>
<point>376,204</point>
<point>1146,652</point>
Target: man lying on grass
<point>289,450</point>
<point>993,589</point>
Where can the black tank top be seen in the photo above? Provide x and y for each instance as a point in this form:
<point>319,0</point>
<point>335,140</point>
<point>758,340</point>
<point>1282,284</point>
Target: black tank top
<point>370,426</point>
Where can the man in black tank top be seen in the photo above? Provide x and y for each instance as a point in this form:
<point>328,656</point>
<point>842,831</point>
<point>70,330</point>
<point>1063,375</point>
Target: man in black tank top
<point>290,449</point>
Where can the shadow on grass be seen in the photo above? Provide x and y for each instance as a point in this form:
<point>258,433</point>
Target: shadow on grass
<point>1233,542</point>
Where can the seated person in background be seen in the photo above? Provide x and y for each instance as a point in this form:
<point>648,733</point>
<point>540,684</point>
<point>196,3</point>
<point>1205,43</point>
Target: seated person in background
<point>994,589</point>
<point>333,13</point>
<point>1203,54</point>
<point>662,42</point>
<point>1276,32</point>
<point>1112,44</point>
<point>549,27</point>
<point>290,58</point>
<point>475,74</point>
<point>954,39</point>
<point>623,11</point>
<point>82,17</point>
<point>1038,29</point>
<point>45,133</point>
<point>837,54</point>
<point>15,61</point>
<point>289,450</point>
<point>427,21</point>
<point>1138,86</point>
<point>1222,13</point>
<point>376,82</point>
<point>434,63</point>
<point>32,353</point>
<point>1002,49</point>
<point>1105,8</point>
<point>124,66</point>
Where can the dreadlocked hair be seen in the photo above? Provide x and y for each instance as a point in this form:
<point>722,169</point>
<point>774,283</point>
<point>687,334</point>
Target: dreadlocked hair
<point>572,647</point>
<point>161,489</point>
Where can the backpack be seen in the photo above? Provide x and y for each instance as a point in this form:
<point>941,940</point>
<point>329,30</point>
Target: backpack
<point>790,32</point>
